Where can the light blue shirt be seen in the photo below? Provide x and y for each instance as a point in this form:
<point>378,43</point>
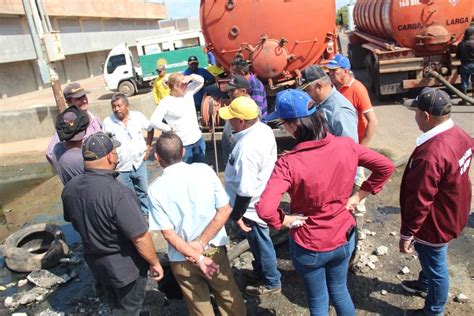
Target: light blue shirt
<point>340,115</point>
<point>185,199</point>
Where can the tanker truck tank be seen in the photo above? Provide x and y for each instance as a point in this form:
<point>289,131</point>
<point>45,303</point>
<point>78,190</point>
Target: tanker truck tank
<point>279,37</point>
<point>402,41</point>
<point>423,25</point>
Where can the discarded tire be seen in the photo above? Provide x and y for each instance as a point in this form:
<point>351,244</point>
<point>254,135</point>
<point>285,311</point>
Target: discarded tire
<point>35,247</point>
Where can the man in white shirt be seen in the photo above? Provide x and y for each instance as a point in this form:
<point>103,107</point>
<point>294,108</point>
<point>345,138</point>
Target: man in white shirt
<point>246,174</point>
<point>126,127</point>
<point>190,207</point>
<point>180,114</point>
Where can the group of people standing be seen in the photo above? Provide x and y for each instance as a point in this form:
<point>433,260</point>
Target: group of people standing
<point>332,121</point>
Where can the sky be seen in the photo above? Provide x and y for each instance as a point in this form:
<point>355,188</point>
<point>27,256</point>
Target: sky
<point>190,8</point>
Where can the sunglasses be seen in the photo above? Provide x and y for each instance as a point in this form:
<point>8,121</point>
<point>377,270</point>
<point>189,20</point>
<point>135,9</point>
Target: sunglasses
<point>280,125</point>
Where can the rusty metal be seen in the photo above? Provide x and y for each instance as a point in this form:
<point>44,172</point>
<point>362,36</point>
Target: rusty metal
<point>237,50</point>
<point>383,44</point>
<point>265,16</point>
<point>306,42</point>
<point>230,4</point>
<point>425,26</point>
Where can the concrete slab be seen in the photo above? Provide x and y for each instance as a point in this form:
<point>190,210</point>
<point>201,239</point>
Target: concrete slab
<point>32,115</point>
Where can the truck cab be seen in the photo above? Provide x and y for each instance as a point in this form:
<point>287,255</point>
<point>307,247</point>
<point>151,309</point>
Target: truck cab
<point>119,71</point>
<point>174,49</point>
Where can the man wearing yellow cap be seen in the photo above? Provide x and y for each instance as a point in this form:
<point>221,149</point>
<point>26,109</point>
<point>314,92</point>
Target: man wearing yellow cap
<point>246,174</point>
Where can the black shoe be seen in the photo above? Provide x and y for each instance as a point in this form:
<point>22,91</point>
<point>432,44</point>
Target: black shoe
<point>414,312</point>
<point>415,287</point>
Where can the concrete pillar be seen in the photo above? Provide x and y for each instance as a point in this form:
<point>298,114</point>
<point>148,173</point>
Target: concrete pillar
<point>89,67</point>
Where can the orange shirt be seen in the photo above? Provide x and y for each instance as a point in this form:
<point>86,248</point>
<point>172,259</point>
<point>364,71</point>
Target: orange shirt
<point>358,95</point>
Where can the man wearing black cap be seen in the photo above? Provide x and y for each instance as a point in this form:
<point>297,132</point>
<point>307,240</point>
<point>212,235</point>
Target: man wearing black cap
<point>337,110</point>
<point>117,246</point>
<point>76,95</point>
<point>193,68</point>
<point>66,158</point>
<point>238,86</point>
<point>435,197</point>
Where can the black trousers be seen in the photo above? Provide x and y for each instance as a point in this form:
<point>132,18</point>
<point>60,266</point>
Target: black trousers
<point>129,299</point>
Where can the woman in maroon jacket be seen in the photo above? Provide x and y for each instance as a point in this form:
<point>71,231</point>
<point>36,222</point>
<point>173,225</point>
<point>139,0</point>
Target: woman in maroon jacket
<point>319,175</point>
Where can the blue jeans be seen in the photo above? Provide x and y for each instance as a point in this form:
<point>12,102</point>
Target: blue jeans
<point>137,180</point>
<point>434,275</point>
<point>325,277</point>
<point>467,71</point>
<point>195,152</point>
<point>261,246</point>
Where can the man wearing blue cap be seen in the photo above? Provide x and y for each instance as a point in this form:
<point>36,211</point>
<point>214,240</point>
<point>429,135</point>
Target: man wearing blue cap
<point>435,197</point>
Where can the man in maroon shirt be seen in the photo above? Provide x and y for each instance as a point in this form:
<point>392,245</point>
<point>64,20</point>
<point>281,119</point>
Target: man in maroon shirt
<point>435,197</point>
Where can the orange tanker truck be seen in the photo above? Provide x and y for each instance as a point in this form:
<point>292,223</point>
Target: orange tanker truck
<point>278,37</point>
<point>408,44</point>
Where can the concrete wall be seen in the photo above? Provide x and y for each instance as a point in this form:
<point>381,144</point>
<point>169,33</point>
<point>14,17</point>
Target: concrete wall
<point>20,78</point>
<point>136,9</point>
<point>39,122</point>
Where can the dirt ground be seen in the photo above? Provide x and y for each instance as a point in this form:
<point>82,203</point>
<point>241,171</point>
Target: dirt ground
<point>375,292</point>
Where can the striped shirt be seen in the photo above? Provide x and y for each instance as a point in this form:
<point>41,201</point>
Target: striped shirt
<point>258,94</point>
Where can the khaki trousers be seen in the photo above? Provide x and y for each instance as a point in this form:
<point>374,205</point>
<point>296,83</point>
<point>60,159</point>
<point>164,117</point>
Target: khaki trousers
<point>195,287</point>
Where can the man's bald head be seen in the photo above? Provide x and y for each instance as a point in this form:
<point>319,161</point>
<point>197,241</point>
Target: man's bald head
<point>169,149</point>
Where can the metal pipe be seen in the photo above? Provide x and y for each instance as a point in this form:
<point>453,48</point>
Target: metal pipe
<point>436,75</point>
<point>44,15</point>
<point>31,25</point>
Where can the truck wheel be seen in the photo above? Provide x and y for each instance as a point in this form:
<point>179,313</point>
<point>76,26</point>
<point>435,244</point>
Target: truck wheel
<point>127,88</point>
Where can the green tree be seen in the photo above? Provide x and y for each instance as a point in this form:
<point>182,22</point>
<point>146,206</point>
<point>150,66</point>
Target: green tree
<point>342,16</point>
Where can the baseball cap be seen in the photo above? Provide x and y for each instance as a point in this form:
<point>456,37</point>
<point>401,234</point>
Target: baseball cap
<point>339,61</point>
<point>74,90</point>
<point>71,124</point>
<point>192,59</point>
<point>434,101</point>
<point>243,108</point>
<point>310,74</point>
<point>291,104</point>
<point>238,82</point>
<point>97,146</point>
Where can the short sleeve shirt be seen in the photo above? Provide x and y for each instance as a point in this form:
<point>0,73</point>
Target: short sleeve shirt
<point>185,199</point>
<point>340,115</point>
<point>250,165</point>
<point>68,163</point>
<point>107,215</point>
<point>132,144</point>
<point>358,95</point>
